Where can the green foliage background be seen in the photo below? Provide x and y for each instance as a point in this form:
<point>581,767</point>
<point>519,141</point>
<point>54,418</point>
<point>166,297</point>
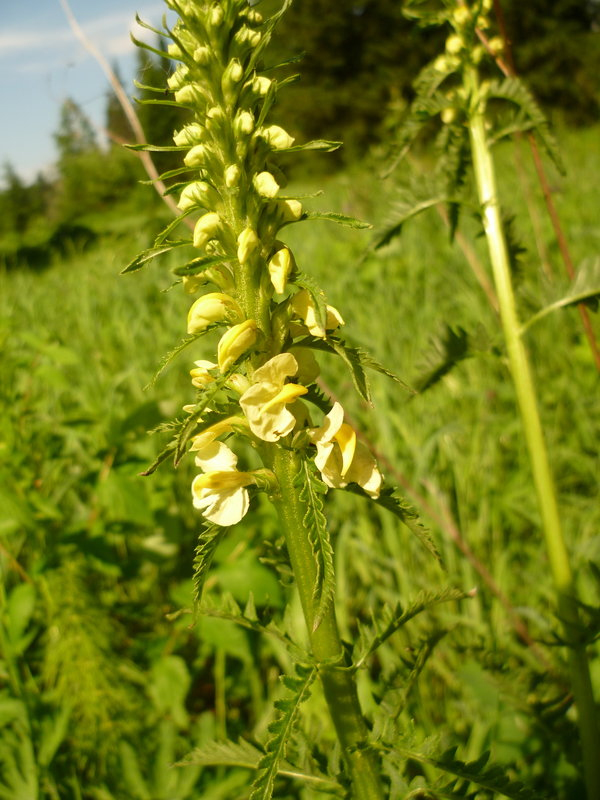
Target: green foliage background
<point>104,682</point>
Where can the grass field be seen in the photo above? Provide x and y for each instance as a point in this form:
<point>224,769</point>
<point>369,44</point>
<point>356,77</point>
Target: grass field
<point>104,684</point>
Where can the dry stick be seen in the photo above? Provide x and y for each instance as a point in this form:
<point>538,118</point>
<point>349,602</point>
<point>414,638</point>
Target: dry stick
<point>508,69</point>
<point>444,519</point>
<point>126,105</point>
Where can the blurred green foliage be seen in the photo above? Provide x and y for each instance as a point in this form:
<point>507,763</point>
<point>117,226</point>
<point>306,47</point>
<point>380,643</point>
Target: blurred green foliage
<point>104,683</point>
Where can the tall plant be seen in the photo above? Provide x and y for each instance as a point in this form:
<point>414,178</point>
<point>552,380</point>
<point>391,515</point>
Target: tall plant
<point>453,90</point>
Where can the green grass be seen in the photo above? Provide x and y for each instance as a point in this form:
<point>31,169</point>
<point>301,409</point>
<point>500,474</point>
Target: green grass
<point>102,690</point>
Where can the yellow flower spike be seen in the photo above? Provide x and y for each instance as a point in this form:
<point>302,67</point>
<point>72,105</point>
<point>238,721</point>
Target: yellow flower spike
<point>346,439</point>
<point>206,229</point>
<point>210,308</point>
<point>264,403</point>
<point>265,184</point>
<point>235,342</point>
<point>281,266</point>
<point>248,243</point>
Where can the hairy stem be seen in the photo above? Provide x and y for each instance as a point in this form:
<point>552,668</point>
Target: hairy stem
<point>338,681</point>
<point>544,483</point>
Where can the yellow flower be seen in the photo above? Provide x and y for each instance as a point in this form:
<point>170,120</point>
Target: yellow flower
<point>304,307</point>
<point>210,434</point>
<point>201,374</point>
<point>281,267</point>
<point>276,137</point>
<point>220,491</point>
<point>264,403</point>
<point>342,459</point>
<point>265,184</point>
<point>198,194</point>
<point>235,342</point>
<point>210,308</point>
<point>248,242</point>
<point>206,228</point>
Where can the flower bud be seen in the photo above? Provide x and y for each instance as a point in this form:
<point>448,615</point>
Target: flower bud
<point>191,94</point>
<point>243,124</point>
<point>198,193</point>
<point>210,309</point>
<point>276,137</point>
<point>496,45</point>
<point>202,55</point>
<point>281,266</point>
<point>232,176</point>
<point>234,72</point>
<point>239,383</point>
<point>206,229</point>
<point>308,366</point>
<point>189,134</point>
<point>197,156</point>
<point>248,243</point>
<point>448,115</point>
<point>178,78</point>
<point>201,376</point>
<point>290,210</point>
<point>246,37</point>
<point>454,44</point>
<point>235,342</point>
<point>265,184</point>
<point>461,16</point>
<point>216,16</point>
<point>174,51</point>
<point>261,85</point>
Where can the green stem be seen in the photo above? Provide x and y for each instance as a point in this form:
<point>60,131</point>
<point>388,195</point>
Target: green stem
<point>338,682</point>
<point>544,483</point>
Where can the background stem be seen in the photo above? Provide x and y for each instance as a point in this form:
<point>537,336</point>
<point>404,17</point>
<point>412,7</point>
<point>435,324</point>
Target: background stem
<point>526,396</point>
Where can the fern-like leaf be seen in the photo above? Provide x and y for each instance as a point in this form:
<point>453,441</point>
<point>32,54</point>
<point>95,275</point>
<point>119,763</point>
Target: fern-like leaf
<point>341,219</point>
<point>391,499</point>
<point>312,491</point>
<point>281,729</point>
<point>208,541</point>
<point>147,255</point>
<point>514,90</point>
<point>491,778</point>
<point>449,349</point>
<point>396,618</point>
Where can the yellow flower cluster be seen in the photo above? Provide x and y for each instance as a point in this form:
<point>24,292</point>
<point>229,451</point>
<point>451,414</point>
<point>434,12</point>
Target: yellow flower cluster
<point>264,364</point>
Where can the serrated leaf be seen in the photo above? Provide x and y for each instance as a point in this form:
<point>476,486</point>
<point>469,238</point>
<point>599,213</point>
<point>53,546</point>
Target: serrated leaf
<point>406,208</point>
<point>160,239</point>
<point>585,287</point>
<point>399,616</point>
<point>351,357</point>
<point>514,90</point>
<point>157,148</point>
<point>491,778</point>
<point>245,755</point>
<point>312,491</point>
<point>208,541</point>
<point>316,144</point>
<point>298,690</point>
<point>448,350</point>
<point>391,499</point>
<point>168,450</point>
<point>152,252</point>
<point>166,360</point>
<point>341,219</point>
<point>200,264</point>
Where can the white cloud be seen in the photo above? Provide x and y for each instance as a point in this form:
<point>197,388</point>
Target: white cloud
<point>110,33</point>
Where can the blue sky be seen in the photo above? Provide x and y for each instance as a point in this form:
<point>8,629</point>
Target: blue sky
<point>42,63</point>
